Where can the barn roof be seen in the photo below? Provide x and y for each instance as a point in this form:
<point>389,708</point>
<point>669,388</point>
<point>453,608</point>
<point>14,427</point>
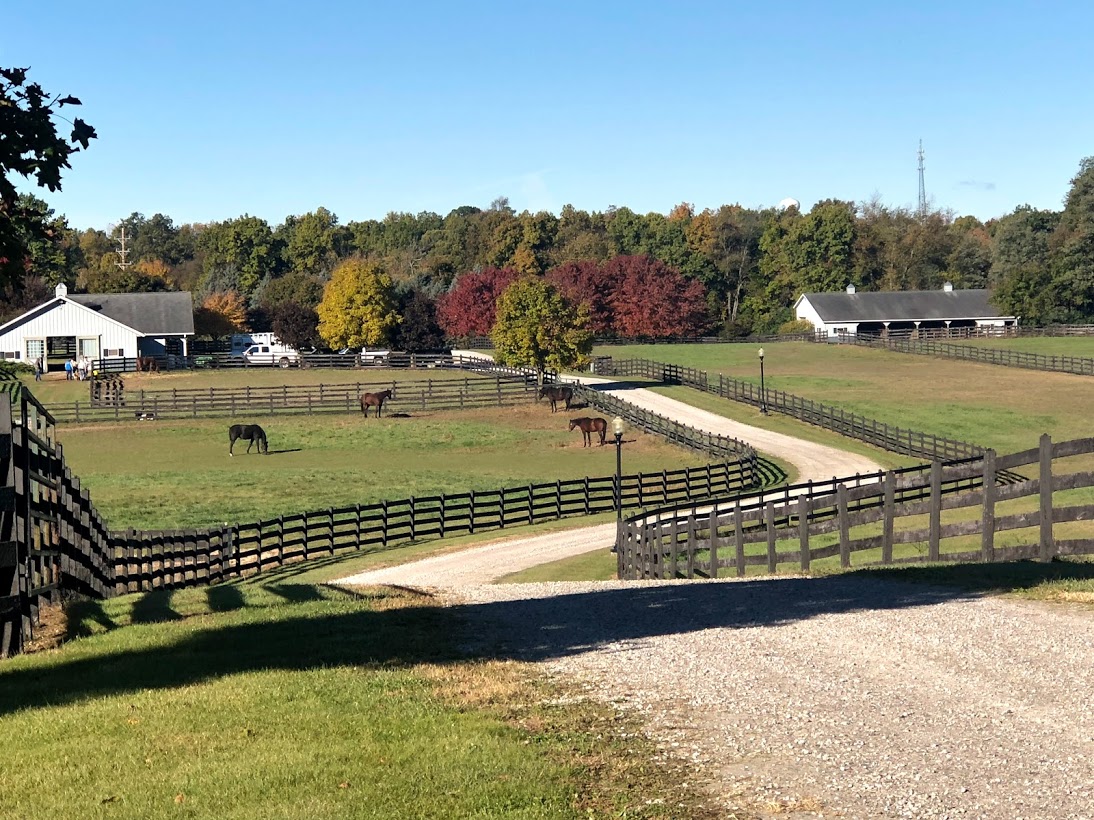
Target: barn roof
<point>148,313</point>
<point>904,306</point>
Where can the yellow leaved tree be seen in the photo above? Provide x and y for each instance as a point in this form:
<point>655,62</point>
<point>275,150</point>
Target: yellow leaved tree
<point>358,307</point>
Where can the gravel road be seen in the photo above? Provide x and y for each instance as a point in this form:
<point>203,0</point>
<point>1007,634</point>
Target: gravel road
<point>801,697</point>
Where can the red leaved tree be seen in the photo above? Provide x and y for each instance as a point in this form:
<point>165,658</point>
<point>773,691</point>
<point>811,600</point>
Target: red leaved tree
<point>653,300</point>
<point>469,308</point>
<point>591,284</point>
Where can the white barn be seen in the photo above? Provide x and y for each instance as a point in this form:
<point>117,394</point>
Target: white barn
<point>100,326</point>
<point>880,313</point>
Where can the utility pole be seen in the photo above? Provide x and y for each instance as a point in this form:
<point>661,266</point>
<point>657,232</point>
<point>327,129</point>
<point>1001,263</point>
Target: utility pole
<point>123,254</point>
<point>921,211</point>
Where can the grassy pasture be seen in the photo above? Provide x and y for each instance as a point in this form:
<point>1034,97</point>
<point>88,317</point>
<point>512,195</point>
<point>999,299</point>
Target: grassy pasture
<point>1077,346</point>
<point>1000,407</point>
<point>285,700</point>
<point>177,474</point>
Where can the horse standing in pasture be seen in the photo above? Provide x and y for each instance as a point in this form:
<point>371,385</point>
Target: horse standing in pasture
<point>147,364</point>
<point>252,433</point>
<point>556,393</point>
<point>588,427</point>
<point>374,400</point>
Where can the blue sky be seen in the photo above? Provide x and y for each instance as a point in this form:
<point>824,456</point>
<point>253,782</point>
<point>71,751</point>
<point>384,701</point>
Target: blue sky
<point>206,111</point>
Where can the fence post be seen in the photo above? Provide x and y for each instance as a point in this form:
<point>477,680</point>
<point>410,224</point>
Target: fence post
<point>804,502</point>
<point>987,533</point>
<point>936,511</point>
<point>844,527</point>
<point>888,511</point>
<point>714,543</point>
<point>769,524</point>
<point>1048,544</point>
<point>690,570</point>
<point>739,539</point>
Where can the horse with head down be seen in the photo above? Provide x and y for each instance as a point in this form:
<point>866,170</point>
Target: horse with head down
<point>251,433</point>
<point>375,400</point>
<point>588,427</point>
<point>556,393</point>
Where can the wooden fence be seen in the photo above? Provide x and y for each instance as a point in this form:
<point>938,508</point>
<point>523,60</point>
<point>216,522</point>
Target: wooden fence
<point>111,400</point>
<point>773,528</point>
<point>982,355</point>
<point>887,437</point>
<point>219,360</point>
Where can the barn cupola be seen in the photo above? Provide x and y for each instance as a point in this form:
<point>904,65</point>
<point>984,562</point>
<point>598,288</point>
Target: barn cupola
<point>61,290</point>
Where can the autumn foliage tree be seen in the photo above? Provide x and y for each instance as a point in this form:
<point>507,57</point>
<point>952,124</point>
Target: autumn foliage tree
<point>358,307</point>
<point>653,300</point>
<point>537,327</point>
<point>296,325</point>
<point>590,284</point>
<point>220,314</point>
<point>419,331</point>
<point>469,308</point>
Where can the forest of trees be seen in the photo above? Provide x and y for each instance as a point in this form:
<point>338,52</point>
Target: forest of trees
<point>730,271</point>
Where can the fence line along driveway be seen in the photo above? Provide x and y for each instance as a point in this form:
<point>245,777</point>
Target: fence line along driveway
<point>482,565</point>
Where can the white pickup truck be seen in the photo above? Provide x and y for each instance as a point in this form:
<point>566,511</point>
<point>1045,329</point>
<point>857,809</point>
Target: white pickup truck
<point>271,354</point>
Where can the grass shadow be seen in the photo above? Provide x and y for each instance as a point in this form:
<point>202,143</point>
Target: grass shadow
<point>1002,577</point>
<point>224,598</point>
<point>155,607</point>
<point>82,615</point>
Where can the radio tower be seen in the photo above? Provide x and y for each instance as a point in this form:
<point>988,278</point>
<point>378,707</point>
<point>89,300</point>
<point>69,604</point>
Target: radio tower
<point>922,209</point>
<point>123,254</point>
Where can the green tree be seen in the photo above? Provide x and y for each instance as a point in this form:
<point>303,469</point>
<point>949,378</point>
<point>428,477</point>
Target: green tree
<point>31,148</point>
<point>1071,259</point>
<point>312,242</point>
<point>358,307</point>
<point>537,327</point>
<point>1020,278</point>
<point>244,248</point>
<point>296,325</point>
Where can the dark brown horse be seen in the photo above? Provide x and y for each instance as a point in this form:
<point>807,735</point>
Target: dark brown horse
<point>588,427</point>
<point>148,364</point>
<point>556,393</point>
<point>251,433</point>
<point>374,400</point>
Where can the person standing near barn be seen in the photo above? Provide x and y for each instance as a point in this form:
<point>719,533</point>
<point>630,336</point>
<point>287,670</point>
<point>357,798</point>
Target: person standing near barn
<point>38,369</point>
<point>68,369</point>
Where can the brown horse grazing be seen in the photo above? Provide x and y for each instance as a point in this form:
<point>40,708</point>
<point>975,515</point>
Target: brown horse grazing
<point>148,364</point>
<point>556,393</point>
<point>374,400</point>
<point>588,427</point>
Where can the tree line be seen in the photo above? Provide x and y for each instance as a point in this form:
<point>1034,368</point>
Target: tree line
<point>731,270</point>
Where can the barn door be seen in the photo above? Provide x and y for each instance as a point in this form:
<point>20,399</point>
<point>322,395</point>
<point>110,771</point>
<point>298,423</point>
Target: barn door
<point>36,349</point>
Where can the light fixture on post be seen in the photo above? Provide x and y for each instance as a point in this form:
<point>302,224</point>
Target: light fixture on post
<point>617,430</point>
<point>763,393</point>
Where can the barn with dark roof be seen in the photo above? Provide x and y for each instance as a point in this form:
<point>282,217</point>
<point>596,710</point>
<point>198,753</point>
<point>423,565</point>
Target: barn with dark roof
<point>100,326</point>
<point>880,313</point>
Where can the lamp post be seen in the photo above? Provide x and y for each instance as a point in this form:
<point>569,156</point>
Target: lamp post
<point>617,430</point>
<point>763,393</point>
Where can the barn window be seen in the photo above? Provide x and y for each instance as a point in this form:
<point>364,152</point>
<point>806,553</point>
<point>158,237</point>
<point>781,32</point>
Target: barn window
<point>12,355</point>
<point>113,352</point>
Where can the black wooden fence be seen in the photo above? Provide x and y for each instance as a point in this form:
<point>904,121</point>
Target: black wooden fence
<point>887,437</point>
<point>111,400</point>
<point>772,528</point>
<point>982,355</point>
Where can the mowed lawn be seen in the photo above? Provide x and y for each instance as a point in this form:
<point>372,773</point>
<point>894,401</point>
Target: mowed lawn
<point>1000,407</point>
<point>177,474</point>
<point>275,699</point>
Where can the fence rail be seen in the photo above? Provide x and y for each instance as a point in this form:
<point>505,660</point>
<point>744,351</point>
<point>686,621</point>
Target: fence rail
<point>344,361</point>
<point>690,543</point>
<point>984,355</point>
<point>111,400</point>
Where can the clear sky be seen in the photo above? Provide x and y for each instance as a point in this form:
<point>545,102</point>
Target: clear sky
<point>206,111</point>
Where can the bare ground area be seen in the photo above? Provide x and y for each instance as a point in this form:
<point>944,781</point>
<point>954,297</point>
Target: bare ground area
<point>805,697</point>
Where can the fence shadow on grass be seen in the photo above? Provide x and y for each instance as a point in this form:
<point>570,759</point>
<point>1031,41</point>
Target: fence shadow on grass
<point>340,632</point>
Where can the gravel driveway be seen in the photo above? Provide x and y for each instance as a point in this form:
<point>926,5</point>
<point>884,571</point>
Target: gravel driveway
<point>802,697</point>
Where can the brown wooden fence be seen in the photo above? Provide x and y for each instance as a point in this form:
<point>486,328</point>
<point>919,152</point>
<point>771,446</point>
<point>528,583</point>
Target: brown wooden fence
<point>773,528</point>
<point>1077,365</point>
<point>887,437</point>
<point>112,401</point>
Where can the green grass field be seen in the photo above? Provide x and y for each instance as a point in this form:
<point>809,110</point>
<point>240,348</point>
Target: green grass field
<point>1000,407</point>
<point>287,700</point>
<point>177,474</point>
